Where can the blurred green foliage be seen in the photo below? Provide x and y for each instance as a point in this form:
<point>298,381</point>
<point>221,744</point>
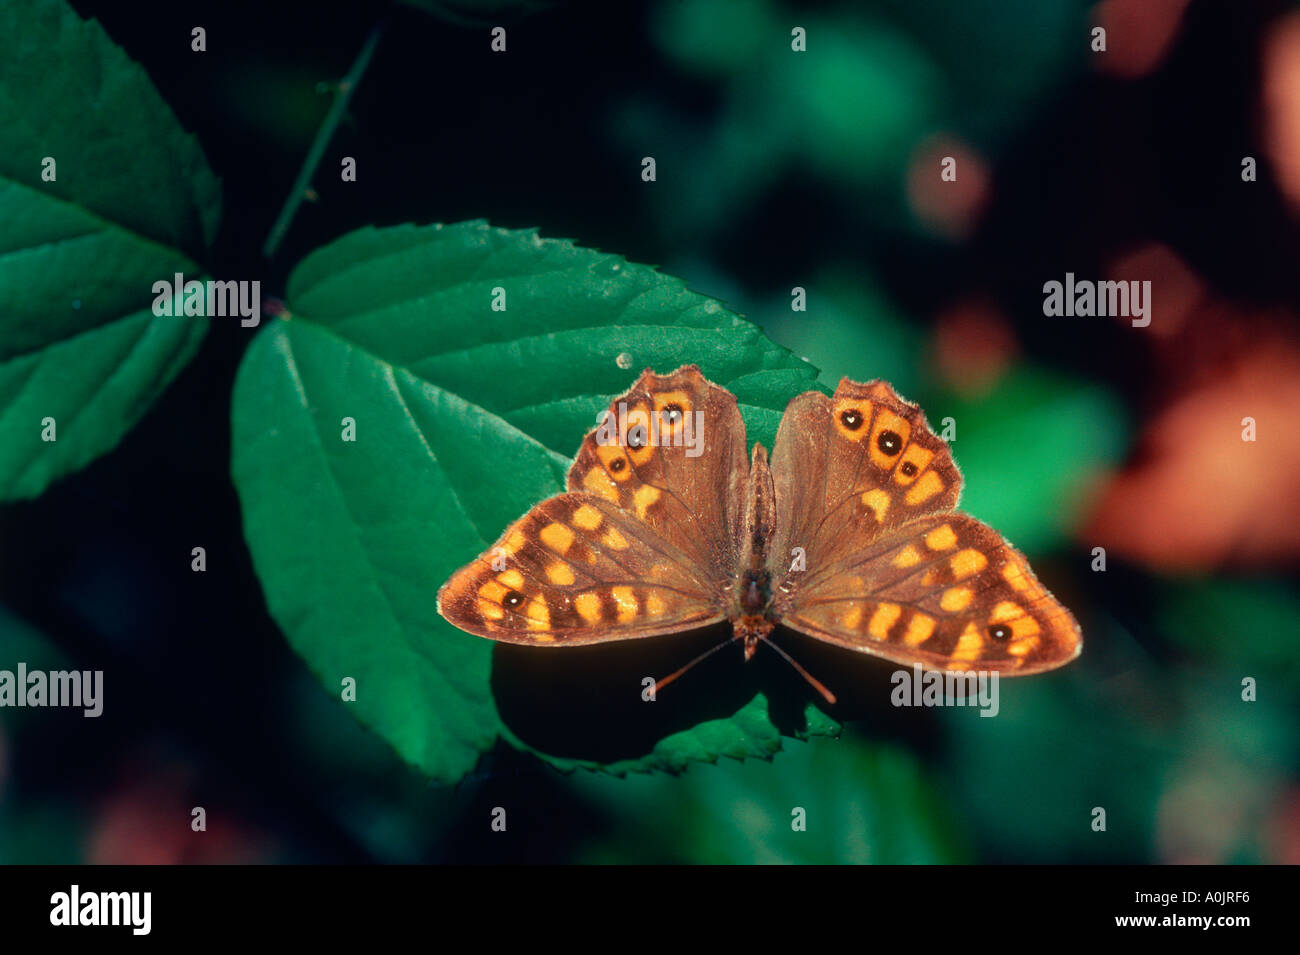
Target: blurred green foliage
<point>881,79</point>
<point>1247,623</point>
<point>36,824</point>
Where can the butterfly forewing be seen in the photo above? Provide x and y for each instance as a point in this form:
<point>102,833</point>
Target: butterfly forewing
<point>672,455</point>
<point>850,467</point>
<point>642,543</point>
<point>865,489</point>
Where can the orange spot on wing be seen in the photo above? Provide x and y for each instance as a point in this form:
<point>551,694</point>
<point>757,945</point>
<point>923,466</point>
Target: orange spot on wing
<point>626,603</point>
<point>955,599</point>
<point>669,429</point>
<point>588,606</point>
<point>968,645</point>
<point>1025,626</point>
<point>638,424</point>
<point>919,629</point>
<point>915,456</point>
<point>941,538</point>
<point>560,574</point>
<point>539,617</point>
<point>557,537</point>
<point>1014,573</point>
<point>966,562</point>
<point>884,618</point>
<point>1019,648</point>
<point>927,487</point>
<point>1006,610</point>
<point>909,556</point>
<point>886,420</point>
<point>858,405</point>
<point>878,501</point>
<point>599,483</point>
<point>608,455</point>
<point>644,499</point>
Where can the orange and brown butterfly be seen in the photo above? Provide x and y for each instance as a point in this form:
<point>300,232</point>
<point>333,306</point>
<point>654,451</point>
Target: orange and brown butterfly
<point>848,535</point>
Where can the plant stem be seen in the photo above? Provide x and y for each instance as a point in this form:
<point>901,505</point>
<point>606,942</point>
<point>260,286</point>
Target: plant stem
<point>323,136</point>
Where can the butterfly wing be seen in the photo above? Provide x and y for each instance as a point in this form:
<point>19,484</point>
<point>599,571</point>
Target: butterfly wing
<point>642,543</point>
<point>866,489</point>
<point>576,570</point>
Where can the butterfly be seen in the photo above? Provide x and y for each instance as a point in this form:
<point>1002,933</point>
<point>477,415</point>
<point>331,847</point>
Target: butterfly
<point>848,534</point>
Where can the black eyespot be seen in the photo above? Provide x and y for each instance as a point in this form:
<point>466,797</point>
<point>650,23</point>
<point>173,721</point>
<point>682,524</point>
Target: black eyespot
<point>1000,631</point>
<point>851,419</point>
<point>672,413</point>
<point>889,442</point>
<point>617,465</point>
<point>908,469</point>
<point>513,598</point>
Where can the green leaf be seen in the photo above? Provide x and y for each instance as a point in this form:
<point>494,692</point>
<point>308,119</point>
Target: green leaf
<point>862,803</point>
<point>749,732</point>
<point>466,417</point>
<point>132,201</point>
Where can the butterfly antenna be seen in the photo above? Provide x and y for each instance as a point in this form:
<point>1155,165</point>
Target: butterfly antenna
<point>700,659</point>
<point>812,681</point>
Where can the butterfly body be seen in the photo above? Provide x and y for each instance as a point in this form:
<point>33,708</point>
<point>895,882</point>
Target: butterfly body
<point>750,610</point>
<point>847,534</point>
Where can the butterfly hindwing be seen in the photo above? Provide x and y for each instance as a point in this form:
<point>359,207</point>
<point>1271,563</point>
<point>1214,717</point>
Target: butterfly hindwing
<point>577,570</point>
<point>945,591</point>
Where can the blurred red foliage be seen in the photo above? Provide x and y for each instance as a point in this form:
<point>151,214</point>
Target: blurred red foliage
<point>146,820</point>
<point>1196,495</point>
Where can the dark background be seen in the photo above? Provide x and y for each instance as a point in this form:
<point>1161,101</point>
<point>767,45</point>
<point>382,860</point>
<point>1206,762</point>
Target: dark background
<point>770,175</point>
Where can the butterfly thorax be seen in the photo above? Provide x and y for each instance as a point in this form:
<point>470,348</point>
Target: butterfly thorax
<point>752,590</point>
<point>755,596</point>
